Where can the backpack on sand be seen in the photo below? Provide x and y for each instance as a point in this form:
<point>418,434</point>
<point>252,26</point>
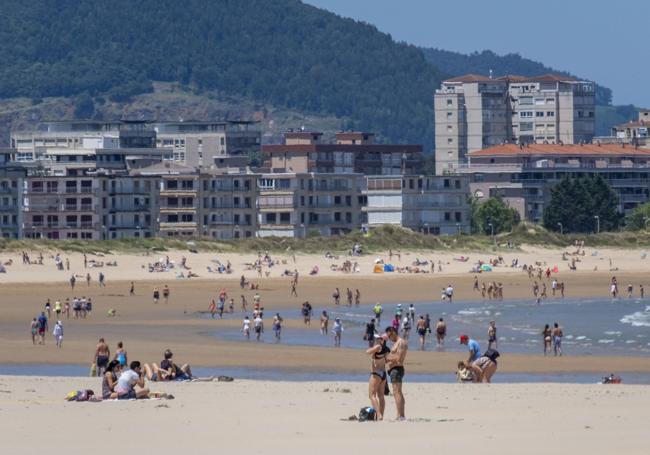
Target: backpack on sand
<point>367,414</point>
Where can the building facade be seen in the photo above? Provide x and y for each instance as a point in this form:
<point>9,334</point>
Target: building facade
<point>473,112</point>
<point>523,175</point>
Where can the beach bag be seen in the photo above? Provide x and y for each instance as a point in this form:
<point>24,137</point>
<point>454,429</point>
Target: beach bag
<point>492,354</point>
<point>93,370</point>
<point>367,414</point>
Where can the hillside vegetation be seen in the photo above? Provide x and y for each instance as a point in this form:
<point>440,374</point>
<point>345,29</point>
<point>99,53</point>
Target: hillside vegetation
<point>280,52</point>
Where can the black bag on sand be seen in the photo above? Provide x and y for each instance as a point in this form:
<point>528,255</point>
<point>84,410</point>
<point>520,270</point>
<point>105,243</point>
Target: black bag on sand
<point>367,414</point>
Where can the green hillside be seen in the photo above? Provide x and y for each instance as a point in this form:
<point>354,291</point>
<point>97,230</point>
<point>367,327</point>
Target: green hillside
<point>279,52</point>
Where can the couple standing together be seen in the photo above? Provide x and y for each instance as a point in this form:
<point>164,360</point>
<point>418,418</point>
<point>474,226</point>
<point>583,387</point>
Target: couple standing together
<point>387,363</point>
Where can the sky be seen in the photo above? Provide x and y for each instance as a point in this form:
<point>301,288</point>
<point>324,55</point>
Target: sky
<point>598,40</point>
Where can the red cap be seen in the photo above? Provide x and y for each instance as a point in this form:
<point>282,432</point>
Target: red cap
<point>464,338</point>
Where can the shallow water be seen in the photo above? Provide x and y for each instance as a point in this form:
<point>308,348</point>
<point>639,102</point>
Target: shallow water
<point>591,326</point>
<point>296,375</point>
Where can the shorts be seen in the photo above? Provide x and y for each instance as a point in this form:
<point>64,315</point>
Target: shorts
<point>422,332</point>
<point>102,361</point>
<point>41,332</point>
<point>492,339</point>
<point>380,374</point>
<point>258,329</point>
<point>396,375</point>
<point>557,342</point>
<point>130,395</point>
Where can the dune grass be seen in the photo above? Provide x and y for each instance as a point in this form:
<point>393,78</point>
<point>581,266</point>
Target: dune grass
<point>380,239</point>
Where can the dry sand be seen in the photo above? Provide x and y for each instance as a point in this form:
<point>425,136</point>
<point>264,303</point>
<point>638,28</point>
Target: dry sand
<point>294,417</point>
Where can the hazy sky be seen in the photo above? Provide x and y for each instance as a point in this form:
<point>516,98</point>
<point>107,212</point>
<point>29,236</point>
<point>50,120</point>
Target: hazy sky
<point>596,39</point>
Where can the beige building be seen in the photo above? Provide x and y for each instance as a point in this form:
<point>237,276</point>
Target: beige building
<point>200,143</point>
<point>473,112</point>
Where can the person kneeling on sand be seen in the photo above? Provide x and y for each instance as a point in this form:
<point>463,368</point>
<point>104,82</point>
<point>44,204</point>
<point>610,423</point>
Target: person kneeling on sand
<point>127,381</point>
<point>464,374</point>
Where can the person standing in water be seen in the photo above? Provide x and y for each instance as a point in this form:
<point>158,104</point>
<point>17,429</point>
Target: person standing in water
<point>337,330</point>
<point>324,322</point>
<point>546,335</point>
<point>441,332</point>
<point>422,331</point>
<point>277,327</point>
<point>246,327</point>
<point>58,334</point>
<point>557,335</point>
<point>492,335</point>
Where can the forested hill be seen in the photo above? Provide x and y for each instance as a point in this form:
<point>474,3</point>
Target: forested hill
<point>457,64</point>
<point>280,52</point>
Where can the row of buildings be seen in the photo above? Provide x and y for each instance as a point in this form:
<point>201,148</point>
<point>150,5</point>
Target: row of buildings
<point>105,180</point>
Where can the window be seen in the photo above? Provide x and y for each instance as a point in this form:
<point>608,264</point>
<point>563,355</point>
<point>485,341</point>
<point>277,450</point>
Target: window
<point>539,114</point>
<point>580,114</point>
<point>447,216</point>
<point>450,115</point>
<point>449,102</point>
<point>457,217</point>
<point>591,114</point>
<point>457,184</point>
<point>446,183</point>
<point>450,140</point>
<point>550,113</point>
<point>526,114</point>
<point>526,100</point>
<point>526,126</point>
<point>285,218</point>
<point>450,128</point>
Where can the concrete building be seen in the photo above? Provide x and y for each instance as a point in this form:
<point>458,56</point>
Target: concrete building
<point>228,204</point>
<point>200,143</point>
<point>428,204</point>
<point>353,153</point>
<point>11,183</point>
<point>473,112</point>
<point>523,175</point>
<point>81,135</point>
<point>636,132</point>
<point>297,204</point>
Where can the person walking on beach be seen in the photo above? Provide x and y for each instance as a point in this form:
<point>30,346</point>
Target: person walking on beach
<point>492,335</point>
<point>156,295</point>
<point>258,323</point>
<point>476,288</point>
<point>244,304</point>
<point>277,327</point>
<point>441,332</point>
<point>324,322</point>
<point>88,280</point>
<point>42,328</point>
<point>212,308</point>
<point>102,279</point>
<point>337,330</point>
<point>450,293</point>
<point>411,313</point>
<point>336,296</point>
<point>546,335</point>
<point>58,334</point>
<point>132,289</point>
<point>48,308</point>
<point>557,335</point>
<point>357,297</point>
<point>246,327</point>
<point>377,384</point>
<point>293,292</point>
<point>73,280</point>
<point>630,290</point>
<point>395,364</point>
<point>166,293</point>
<point>306,311</point>
<point>34,330</point>
<point>102,356</point>
<point>641,291</point>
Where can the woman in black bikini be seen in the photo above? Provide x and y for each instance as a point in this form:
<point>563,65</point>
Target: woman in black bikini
<point>377,382</point>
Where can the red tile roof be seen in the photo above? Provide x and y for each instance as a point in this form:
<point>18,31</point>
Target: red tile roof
<point>556,149</point>
<point>469,78</point>
<point>514,78</point>
<point>306,148</point>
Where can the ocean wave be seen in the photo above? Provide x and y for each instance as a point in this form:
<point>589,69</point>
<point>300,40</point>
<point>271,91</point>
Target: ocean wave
<point>605,341</point>
<point>638,319</point>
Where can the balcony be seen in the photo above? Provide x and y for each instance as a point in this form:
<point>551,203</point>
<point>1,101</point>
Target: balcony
<point>7,190</point>
<point>8,208</point>
<point>169,225</point>
<point>178,209</point>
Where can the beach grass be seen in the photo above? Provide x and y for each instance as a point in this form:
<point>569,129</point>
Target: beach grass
<point>379,239</point>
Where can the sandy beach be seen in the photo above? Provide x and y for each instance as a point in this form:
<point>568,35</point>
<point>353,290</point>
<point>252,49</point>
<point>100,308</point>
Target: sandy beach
<point>296,417</point>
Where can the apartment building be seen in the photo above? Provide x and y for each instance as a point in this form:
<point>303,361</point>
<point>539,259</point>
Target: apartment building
<point>178,198</point>
<point>228,204</point>
<point>635,132</point>
<point>196,144</point>
<point>129,205</point>
<point>473,112</point>
<point>11,183</point>
<point>428,204</point>
<point>80,135</point>
<point>298,204</point>
<point>352,153</point>
<point>60,207</point>
<point>523,175</point>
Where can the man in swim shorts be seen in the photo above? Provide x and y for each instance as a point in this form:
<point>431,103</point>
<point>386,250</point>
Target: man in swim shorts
<point>395,364</point>
<point>102,356</point>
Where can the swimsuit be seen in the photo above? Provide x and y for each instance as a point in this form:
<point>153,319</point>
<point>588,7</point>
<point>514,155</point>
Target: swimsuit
<point>102,361</point>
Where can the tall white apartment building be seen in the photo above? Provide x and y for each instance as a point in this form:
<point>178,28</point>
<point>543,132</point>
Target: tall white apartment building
<point>473,112</point>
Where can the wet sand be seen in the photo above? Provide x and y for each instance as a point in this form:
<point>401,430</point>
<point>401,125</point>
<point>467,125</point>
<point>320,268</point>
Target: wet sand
<point>148,329</point>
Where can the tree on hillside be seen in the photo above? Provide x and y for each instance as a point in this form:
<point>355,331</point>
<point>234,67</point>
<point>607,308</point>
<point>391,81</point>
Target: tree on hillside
<point>575,204</point>
<point>639,218</point>
<point>496,212</point>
